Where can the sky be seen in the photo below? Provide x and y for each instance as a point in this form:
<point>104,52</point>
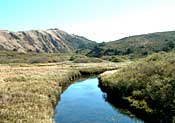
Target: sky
<point>98,20</point>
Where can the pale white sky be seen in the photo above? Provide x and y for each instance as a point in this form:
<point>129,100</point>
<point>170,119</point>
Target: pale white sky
<point>99,20</point>
<point>133,20</point>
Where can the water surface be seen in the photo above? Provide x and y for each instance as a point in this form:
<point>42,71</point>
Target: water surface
<point>84,102</point>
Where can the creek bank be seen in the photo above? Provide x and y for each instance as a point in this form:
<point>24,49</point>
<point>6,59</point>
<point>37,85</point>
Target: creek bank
<point>117,93</point>
<point>36,88</point>
<point>117,100</point>
<point>73,106</point>
<point>82,73</point>
<point>147,86</point>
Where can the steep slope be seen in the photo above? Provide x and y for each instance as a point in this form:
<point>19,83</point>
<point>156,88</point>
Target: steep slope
<point>139,45</point>
<point>52,40</point>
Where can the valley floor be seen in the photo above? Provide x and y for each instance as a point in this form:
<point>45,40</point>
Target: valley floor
<point>29,92</point>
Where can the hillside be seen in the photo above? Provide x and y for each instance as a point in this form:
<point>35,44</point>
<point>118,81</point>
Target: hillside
<point>137,46</point>
<point>52,40</point>
<point>55,40</point>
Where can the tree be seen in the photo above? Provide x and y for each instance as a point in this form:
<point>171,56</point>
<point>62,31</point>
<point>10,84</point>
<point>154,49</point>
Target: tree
<point>171,44</point>
<point>129,51</point>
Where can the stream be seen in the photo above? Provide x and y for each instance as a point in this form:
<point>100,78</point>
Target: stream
<point>84,102</point>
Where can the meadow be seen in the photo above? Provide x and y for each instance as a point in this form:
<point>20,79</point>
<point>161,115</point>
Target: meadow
<point>30,92</point>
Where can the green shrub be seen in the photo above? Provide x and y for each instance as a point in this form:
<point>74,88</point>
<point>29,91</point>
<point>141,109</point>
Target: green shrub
<point>115,58</point>
<point>74,57</point>
<point>88,60</point>
<point>151,80</point>
<point>38,60</point>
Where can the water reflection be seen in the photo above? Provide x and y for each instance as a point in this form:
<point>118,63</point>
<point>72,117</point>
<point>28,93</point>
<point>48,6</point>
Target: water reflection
<point>119,106</point>
<point>84,102</point>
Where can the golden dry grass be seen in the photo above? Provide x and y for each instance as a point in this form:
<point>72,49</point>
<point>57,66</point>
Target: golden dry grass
<point>29,93</point>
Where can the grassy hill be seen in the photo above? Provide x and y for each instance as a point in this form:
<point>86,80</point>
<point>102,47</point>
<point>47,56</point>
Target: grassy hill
<point>137,46</point>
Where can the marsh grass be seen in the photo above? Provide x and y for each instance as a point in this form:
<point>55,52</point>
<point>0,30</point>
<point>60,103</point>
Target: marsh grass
<point>29,92</point>
<point>7,57</point>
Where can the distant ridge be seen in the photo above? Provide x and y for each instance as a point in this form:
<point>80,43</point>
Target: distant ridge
<point>138,45</point>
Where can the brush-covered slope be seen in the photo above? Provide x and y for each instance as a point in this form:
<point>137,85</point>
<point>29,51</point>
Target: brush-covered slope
<point>139,45</point>
<point>52,40</point>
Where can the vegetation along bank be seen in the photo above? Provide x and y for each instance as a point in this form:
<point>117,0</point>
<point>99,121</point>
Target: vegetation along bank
<point>146,87</point>
<point>29,92</point>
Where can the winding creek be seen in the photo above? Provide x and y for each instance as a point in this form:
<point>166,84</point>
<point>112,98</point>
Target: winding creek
<point>84,102</point>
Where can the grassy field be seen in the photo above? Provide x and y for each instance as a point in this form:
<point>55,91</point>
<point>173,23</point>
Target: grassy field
<point>32,57</point>
<point>29,92</point>
<point>146,86</point>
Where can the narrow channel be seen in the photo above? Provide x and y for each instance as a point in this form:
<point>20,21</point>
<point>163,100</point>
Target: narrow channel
<point>84,102</point>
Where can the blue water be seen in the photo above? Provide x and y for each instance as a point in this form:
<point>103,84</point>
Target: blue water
<point>83,102</point>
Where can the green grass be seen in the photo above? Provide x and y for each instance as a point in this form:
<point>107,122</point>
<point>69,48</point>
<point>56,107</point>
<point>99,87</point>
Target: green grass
<point>32,57</point>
